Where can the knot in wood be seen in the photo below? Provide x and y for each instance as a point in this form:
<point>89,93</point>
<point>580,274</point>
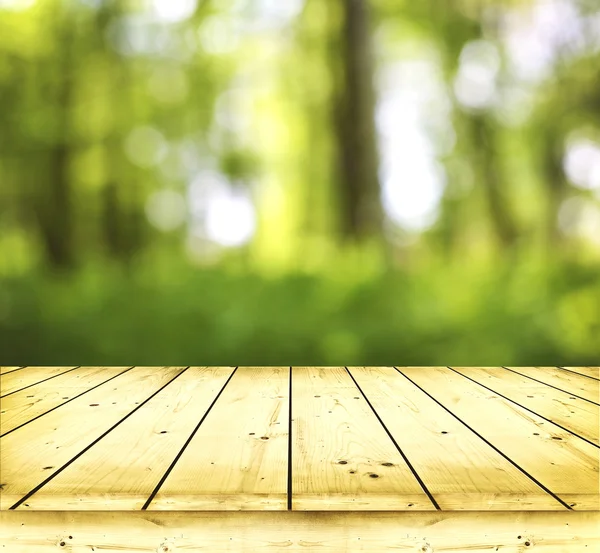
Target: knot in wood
<point>166,547</point>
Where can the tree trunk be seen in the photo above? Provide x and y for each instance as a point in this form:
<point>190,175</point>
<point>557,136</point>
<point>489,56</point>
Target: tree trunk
<point>55,209</point>
<point>356,134</point>
<point>491,179</point>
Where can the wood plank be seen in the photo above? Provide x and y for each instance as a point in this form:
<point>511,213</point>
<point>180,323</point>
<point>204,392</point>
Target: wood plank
<point>566,465</point>
<point>326,532</point>
<point>38,450</point>
<point>570,412</point>
<point>569,383</point>
<point>459,468</point>
<point>121,471</point>
<point>4,370</point>
<point>341,452</point>
<point>20,407</point>
<point>591,372</point>
<point>17,380</point>
<point>237,460</point>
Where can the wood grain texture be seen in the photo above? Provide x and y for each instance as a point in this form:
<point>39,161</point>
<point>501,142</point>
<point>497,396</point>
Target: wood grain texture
<point>39,449</point>
<point>592,372</point>
<point>459,468</point>
<point>237,460</point>
<point>565,464</point>
<point>572,413</point>
<point>16,380</point>
<point>341,452</point>
<point>20,407</point>
<point>4,370</point>
<point>122,470</point>
<point>326,532</point>
<point>570,383</point>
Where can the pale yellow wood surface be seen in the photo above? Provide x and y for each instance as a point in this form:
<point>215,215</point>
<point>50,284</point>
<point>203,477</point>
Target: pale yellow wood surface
<point>20,407</point>
<point>338,443</point>
<point>460,470</point>
<point>238,458</point>
<point>37,450</point>
<point>325,532</point>
<point>572,413</point>
<point>569,382</point>
<point>565,464</point>
<point>339,449</point>
<point>13,381</point>
<point>593,372</point>
<point>122,470</point>
<point>4,370</point>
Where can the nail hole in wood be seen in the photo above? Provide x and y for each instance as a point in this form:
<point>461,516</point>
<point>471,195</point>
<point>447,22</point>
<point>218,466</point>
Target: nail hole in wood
<point>388,464</point>
<point>343,462</point>
<point>527,544</point>
<point>444,432</point>
<point>70,537</point>
<point>352,471</point>
<point>47,468</point>
<point>62,543</point>
<point>163,431</point>
<point>410,504</point>
<point>536,433</point>
<point>264,437</point>
<point>556,438</point>
<point>317,396</point>
<point>94,404</point>
<point>251,434</point>
<point>518,537</point>
<point>374,475</point>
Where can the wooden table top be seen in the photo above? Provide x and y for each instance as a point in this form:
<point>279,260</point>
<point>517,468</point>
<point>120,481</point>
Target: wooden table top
<point>300,438</point>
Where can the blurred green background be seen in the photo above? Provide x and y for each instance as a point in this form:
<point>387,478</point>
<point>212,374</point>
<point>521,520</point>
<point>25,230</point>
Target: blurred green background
<point>239,182</point>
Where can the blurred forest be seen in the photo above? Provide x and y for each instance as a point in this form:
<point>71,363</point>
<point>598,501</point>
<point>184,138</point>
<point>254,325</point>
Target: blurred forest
<point>239,182</point>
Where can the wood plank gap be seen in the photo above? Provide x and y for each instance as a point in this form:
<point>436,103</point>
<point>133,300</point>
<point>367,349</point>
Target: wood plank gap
<point>564,504</point>
<point>172,465</point>
<point>36,383</point>
<point>13,371</point>
<point>551,386</point>
<point>64,403</point>
<point>42,484</point>
<point>289,481</point>
<point>527,409</point>
<point>572,372</point>
<point>412,469</point>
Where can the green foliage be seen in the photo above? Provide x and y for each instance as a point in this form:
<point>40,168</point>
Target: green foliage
<point>110,119</point>
<point>504,314</point>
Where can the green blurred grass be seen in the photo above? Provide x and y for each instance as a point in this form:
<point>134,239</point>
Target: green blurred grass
<point>506,314</point>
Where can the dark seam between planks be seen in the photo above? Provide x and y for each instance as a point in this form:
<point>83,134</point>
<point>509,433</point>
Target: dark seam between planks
<point>60,405</point>
<point>527,409</point>
<point>532,478</point>
<point>36,383</point>
<point>68,463</point>
<point>551,386</point>
<point>172,465</point>
<point>575,372</point>
<point>412,469</point>
<point>289,475</point>
<point>13,371</point>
